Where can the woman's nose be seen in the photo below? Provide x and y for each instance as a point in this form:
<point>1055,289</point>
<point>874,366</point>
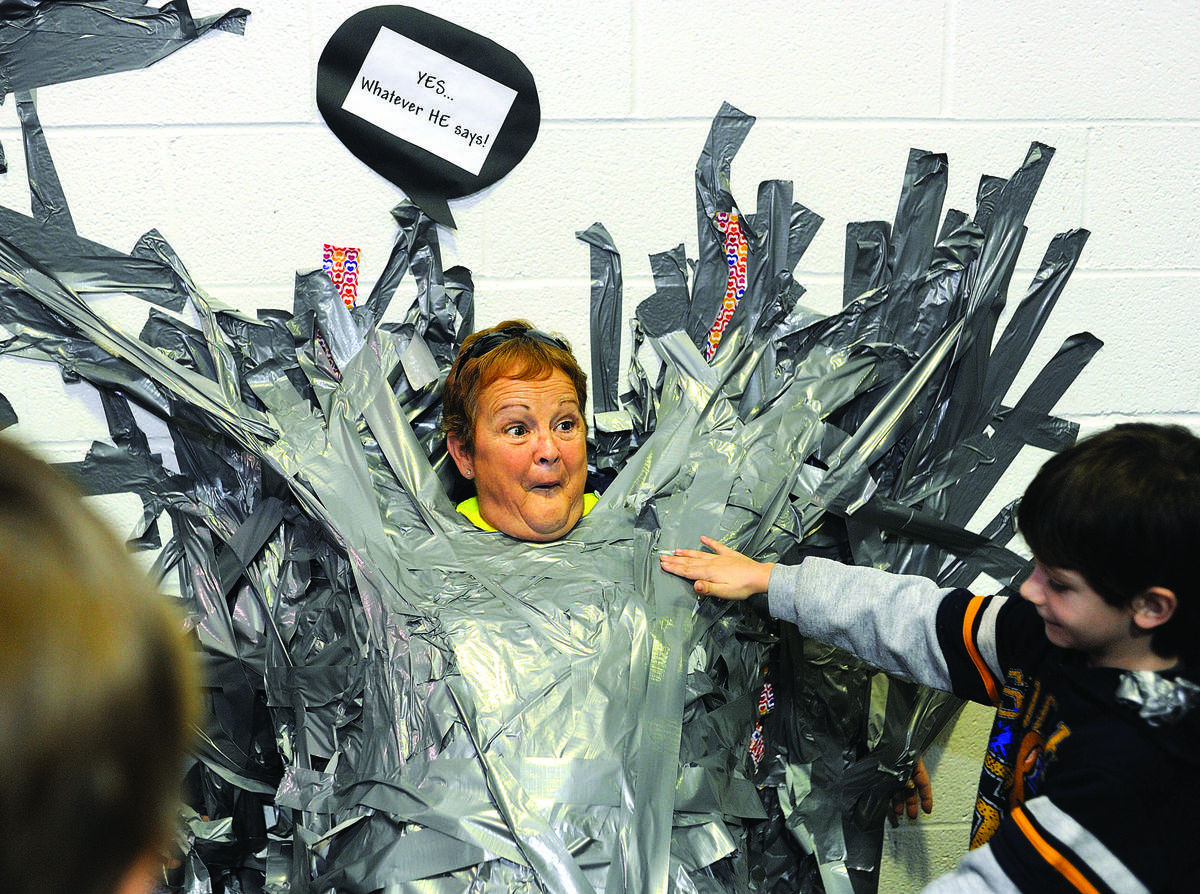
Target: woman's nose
<point>546,447</point>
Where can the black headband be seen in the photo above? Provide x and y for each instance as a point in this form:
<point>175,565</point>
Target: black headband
<point>485,344</point>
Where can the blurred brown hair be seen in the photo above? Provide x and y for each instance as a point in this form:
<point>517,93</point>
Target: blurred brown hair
<point>98,693</point>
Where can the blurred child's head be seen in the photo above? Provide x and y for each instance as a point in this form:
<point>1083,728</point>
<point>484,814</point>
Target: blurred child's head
<point>97,695</point>
<point>1123,509</point>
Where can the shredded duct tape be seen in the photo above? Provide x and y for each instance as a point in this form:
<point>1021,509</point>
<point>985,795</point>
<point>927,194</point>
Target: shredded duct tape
<point>402,702</point>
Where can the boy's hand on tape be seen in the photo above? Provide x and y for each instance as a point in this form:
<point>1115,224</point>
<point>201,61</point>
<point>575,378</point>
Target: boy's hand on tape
<point>724,572</point>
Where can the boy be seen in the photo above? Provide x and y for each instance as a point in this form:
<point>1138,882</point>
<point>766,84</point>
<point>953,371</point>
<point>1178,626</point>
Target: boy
<point>1093,765</point>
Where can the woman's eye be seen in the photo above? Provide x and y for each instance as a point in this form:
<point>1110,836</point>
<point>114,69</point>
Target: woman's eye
<point>516,430</point>
<point>568,425</point>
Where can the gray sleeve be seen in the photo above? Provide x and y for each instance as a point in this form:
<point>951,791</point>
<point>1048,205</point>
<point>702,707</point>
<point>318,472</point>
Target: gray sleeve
<point>888,620</point>
<point>977,873</point>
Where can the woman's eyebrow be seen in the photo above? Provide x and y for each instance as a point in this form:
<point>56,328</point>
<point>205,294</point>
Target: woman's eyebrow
<point>519,403</point>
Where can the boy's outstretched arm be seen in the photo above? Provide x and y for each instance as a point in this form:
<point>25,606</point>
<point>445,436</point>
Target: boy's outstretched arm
<point>728,574</point>
<point>724,572</point>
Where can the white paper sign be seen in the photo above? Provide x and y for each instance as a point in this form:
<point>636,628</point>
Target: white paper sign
<point>430,100</point>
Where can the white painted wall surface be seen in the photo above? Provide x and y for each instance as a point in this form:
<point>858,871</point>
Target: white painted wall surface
<point>222,149</point>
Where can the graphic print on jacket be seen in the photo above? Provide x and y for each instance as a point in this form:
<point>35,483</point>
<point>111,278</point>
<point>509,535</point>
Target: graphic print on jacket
<point>1026,733</point>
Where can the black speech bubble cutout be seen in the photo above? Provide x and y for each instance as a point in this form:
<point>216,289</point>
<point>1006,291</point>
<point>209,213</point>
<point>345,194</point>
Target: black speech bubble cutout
<point>427,179</point>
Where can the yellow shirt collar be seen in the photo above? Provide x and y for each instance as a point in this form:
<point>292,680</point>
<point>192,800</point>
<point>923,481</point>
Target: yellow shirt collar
<point>470,508</point>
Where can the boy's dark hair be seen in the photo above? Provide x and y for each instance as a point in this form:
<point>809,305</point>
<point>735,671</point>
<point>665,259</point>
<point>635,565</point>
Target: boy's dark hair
<point>1123,509</point>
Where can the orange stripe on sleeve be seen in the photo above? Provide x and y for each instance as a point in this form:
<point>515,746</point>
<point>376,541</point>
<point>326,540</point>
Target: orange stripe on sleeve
<point>989,683</point>
<point>1052,856</point>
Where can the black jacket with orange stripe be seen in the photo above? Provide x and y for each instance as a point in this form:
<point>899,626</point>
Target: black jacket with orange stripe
<point>1078,792</point>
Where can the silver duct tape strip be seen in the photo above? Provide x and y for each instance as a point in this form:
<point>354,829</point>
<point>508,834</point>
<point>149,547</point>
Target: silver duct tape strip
<point>43,43</point>
<point>40,42</point>
<point>605,316</point>
<point>1160,700</point>
<point>46,198</point>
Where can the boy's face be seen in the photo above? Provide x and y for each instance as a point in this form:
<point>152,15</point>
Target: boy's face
<point>1077,617</point>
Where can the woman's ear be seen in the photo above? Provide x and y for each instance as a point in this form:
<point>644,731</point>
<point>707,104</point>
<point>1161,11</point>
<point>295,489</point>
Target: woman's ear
<point>462,459</point>
<point>1153,607</point>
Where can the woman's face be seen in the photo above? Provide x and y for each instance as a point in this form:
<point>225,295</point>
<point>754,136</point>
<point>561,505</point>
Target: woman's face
<point>529,463</point>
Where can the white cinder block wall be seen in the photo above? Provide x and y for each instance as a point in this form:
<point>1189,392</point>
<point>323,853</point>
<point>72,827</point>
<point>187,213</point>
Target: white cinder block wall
<point>221,148</point>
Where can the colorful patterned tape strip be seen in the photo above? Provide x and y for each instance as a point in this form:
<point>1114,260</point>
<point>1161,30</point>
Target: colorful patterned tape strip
<point>342,266</point>
<point>758,744</point>
<point>735,286</point>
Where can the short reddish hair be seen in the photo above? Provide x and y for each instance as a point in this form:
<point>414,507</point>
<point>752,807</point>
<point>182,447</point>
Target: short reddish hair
<point>520,352</point>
